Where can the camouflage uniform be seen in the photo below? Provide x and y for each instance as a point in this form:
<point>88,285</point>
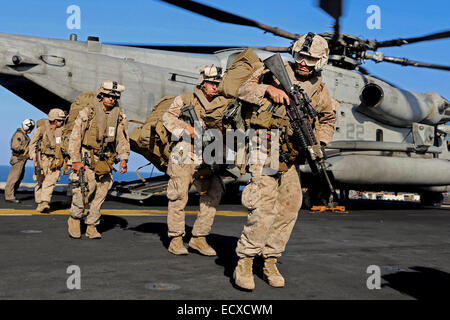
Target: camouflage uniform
<point>49,157</point>
<point>98,185</point>
<point>19,147</point>
<point>277,211</point>
<point>274,200</point>
<point>182,168</point>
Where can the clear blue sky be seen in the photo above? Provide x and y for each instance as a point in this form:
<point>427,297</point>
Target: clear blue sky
<point>154,22</point>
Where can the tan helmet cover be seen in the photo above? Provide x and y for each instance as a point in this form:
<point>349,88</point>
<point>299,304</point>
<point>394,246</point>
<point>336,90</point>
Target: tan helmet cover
<point>56,114</point>
<point>111,87</point>
<point>210,73</point>
<point>318,49</point>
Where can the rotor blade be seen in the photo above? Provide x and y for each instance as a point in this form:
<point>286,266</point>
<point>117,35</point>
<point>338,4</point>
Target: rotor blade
<point>179,48</point>
<point>406,62</point>
<point>402,41</point>
<point>379,56</point>
<point>273,49</point>
<point>334,9</point>
<point>197,49</point>
<point>227,17</point>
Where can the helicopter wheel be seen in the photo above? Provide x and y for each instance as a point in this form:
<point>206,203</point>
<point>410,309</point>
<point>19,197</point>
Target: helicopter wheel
<point>434,199</point>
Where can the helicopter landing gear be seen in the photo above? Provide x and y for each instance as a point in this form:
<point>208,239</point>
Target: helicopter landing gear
<point>317,199</point>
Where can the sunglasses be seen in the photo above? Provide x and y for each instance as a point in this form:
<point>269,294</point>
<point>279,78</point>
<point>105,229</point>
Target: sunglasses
<point>111,96</point>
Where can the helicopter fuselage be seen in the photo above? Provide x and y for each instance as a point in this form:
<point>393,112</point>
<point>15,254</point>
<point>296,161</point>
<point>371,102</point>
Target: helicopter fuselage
<point>386,138</point>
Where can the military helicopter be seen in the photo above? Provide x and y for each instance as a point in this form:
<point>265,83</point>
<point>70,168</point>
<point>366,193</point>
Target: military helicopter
<point>383,133</point>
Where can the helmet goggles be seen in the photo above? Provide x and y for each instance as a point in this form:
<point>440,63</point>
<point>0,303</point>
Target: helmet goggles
<point>309,61</point>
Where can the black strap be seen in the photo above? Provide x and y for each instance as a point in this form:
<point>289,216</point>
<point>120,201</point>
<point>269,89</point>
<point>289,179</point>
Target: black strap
<point>308,42</point>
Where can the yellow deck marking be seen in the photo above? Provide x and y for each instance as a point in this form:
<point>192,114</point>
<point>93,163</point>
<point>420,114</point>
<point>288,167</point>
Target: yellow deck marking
<point>116,212</point>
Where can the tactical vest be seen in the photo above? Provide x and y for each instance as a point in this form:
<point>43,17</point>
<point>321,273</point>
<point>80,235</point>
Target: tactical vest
<point>210,113</point>
<point>102,128</point>
<point>242,115</point>
<point>274,117</point>
<point>50,144</point>
<point>50,140</point>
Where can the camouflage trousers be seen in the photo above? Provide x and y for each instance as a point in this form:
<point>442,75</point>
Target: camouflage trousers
<point>97,190</point>
<point>273,203</point>
<point>46,183</point>
<point>181,179</point>
<point>15,176</point>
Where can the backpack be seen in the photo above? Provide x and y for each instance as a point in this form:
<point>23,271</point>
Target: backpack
<point>86,98</point>
<point>238,114</point>
<point>151,139</point>
<point>242,68</point>
<point>40,122</point>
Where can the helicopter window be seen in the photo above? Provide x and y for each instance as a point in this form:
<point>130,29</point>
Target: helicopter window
<point>379,135</point>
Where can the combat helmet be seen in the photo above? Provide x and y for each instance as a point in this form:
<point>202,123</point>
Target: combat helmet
<point>111,88</point>
<point>28,124</point>
<point>56,114</point>
<point>210,73</point>
<point>314,46</point>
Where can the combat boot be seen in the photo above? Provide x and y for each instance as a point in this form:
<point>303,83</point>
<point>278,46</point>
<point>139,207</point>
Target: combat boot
<point>74,228</point>
<point>92,233</point>
<point>43,207</point>
<point>200,244</point>
<point>271,273</point>
<point>243,274</point>
<point>177,247</point>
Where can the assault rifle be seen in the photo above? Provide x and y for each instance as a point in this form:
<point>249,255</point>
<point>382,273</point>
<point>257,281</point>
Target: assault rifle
<point>101,155</point>
<point>300,112</point>
<point>37,166</point>
<point>82,178</point>
<point>189,116</point>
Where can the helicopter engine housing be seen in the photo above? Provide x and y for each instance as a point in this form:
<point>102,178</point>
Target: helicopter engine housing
<point>402,108</point>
